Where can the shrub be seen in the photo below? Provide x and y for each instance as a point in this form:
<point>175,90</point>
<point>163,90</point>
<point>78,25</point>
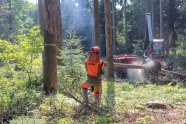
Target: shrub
<point>24,54</point>
<point>72,73</point>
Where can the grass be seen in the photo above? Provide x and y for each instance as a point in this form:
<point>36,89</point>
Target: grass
<point>145,93</point>
<point>131,99</point>
<point>125,101</point>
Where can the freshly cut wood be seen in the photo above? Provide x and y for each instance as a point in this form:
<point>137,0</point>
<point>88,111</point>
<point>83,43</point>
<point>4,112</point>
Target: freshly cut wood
<point>158,105</point>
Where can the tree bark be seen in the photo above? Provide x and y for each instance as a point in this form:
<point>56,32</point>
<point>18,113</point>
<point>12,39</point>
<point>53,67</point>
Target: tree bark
<point>172,20</point>
<point>50,64</point>
<point>113,28</point>
<point>41,18</point>
<point>50,19</point>
<point>147,6</point>
<point>161,20</point>
<point>108,30</point>
<point>56,13</point>
<point>96,23</point>
<point>126,37</point>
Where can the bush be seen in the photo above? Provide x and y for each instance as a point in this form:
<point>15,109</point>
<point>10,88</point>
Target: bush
<point>72,74</point>
<point>20,71</point>
<point>24,55</point>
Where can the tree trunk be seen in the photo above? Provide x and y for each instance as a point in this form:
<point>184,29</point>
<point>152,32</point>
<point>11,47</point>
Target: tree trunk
<point>152,11</point>
<point>108,30</point>
<point>96,23</point>
<point>59,36</point>
<point>50,19</point>
<point>161,20</point>
<point>41,16</point>
<point>172,20</point>
<point>10,17</point>
<point>148,6</point>
<point>50,64</point>
<point>126,37</point>
<point>114,27</point>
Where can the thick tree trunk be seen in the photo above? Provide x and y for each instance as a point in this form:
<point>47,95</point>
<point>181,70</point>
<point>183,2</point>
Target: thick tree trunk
<point>108,30</point>
<point>59,36</point>
<point>50,64</point>
<point>50,19</point>
<point>96,23</point>
<point>56,13</point>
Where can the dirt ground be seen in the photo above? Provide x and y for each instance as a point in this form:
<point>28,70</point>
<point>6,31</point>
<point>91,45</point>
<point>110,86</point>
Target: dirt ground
<point>157,113</point>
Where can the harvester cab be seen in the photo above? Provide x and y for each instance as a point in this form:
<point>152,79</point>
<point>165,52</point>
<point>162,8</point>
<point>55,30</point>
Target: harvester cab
<point>156,47</point>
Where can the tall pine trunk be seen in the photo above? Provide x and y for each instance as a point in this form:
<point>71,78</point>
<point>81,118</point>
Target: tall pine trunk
<point>108,30</point>
<point>50,19</point>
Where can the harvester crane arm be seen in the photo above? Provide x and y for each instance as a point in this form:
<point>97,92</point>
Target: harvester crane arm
<point>149,34</point>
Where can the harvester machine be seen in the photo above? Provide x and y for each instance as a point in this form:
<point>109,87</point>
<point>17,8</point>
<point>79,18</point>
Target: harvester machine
<point>152,55</point>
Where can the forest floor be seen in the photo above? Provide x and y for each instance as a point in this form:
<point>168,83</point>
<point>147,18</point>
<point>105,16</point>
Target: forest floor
<point>162,101</point>
<point>141,104</point>
<point>123,102</point>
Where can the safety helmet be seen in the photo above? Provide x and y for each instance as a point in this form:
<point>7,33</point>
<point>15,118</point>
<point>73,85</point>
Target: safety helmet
<point>95,49</point>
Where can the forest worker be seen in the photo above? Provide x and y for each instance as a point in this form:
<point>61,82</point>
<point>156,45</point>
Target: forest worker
<point>95,68</point>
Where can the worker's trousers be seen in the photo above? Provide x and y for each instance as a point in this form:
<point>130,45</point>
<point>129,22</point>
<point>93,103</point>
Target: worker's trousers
<point>97,92</point>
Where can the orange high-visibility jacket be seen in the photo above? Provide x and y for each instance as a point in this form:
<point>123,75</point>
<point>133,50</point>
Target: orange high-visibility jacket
<point>94,65</point>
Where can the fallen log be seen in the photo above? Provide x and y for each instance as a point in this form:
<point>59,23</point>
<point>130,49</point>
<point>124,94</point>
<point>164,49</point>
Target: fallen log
<point>121,65</point>
<point>167,72</point>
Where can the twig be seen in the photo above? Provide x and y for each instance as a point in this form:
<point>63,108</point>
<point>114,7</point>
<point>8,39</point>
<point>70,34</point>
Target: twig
<point>88,105</point>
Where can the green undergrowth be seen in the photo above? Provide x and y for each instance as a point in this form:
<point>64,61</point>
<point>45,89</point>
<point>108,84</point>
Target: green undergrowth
<point>117,97</point>
<point>131,95</point>
<point>148,92</point>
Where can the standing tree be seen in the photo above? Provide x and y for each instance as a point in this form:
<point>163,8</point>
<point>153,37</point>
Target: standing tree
<point>96,23</point>
<point>108,30</point>
<point>16,17</point>
<point>173,16</point>
<point>126,42</point>
<point>5,13</point>
<point>50,17</point>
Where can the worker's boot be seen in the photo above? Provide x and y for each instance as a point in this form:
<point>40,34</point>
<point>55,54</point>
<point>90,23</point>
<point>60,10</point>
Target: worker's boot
<point>97,100</point>
<point>97,95</point>
<point>85,95</point>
